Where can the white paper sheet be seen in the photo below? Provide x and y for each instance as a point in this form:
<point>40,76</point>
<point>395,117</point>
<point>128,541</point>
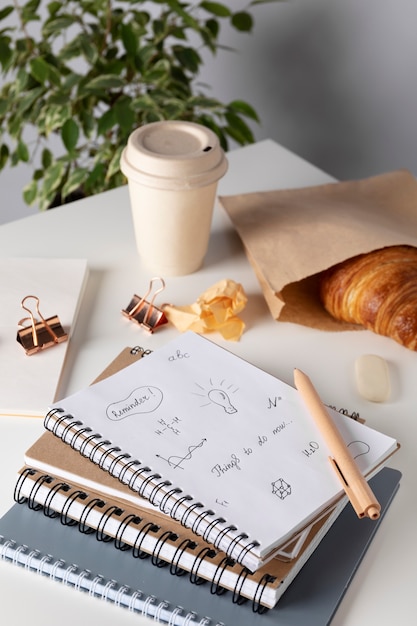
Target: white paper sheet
<point>28,384</point>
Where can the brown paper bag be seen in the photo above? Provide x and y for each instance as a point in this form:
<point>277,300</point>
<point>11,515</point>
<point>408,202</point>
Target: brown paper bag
<point>290,236</point>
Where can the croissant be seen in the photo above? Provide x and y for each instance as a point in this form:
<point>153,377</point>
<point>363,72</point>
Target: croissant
<point>377,290</point>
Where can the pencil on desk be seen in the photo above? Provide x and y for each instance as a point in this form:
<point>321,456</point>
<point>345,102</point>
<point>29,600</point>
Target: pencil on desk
<point>356,487</point>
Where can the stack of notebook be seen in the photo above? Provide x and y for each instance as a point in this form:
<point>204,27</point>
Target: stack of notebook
<point>192,464</point>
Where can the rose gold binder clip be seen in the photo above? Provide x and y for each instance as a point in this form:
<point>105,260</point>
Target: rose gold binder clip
<point>39,333</point>
<point>143,311</point>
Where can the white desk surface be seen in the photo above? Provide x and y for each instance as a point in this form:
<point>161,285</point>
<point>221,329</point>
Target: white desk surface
<point>99,229</point>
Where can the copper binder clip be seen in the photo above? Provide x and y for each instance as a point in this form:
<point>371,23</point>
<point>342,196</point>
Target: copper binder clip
<point>144,312</point>
<point>39,333</point>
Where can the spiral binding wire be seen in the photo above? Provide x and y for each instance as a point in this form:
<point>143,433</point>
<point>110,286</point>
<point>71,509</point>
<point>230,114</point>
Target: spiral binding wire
<point>143,529</point>
<point>148,484</point>
<point>66,519</point>
<point>82,522</point>
<point>215,583</point>
<point>137,551</point>
<point>256,604</point>
<point>237,591</point>
<point>47,508</point>
<point>32,504</point>
<point>131,518</point>
<point>101,527</point>
<point>205,553</point>
<point>187,544</point>
<point>18,486</point>
<point>96,585</point>
<point>155,558</point>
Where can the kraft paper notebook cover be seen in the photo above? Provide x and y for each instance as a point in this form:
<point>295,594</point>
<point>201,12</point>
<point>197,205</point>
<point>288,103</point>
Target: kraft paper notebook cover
<point>45,546</point>
<point>50,462</point>
<point>199,432</point>
<point>29,383</point>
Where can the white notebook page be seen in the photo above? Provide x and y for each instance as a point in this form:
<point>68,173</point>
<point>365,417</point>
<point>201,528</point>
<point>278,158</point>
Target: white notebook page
<point>230,435</point>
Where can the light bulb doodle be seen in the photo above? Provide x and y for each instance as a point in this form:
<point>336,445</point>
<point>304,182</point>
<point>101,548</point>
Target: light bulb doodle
<point>216,394</point>
<point>220,397</point>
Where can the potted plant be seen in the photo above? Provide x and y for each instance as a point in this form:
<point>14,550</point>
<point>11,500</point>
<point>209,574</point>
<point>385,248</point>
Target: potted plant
<point>89,71</point>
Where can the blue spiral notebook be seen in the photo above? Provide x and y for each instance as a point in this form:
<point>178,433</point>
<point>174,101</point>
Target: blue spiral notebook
<point>47,547</point>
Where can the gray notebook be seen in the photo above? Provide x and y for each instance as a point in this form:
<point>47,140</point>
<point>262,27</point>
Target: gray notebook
<point>100,569</point>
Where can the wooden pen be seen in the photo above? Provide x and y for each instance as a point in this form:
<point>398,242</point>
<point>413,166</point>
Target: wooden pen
<point>355,485</point>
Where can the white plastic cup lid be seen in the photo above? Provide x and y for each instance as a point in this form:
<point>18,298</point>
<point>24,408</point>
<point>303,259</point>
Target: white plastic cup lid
<point>173,155</point>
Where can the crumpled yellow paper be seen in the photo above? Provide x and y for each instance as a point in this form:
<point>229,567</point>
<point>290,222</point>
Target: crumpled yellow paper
<point>215,309</point>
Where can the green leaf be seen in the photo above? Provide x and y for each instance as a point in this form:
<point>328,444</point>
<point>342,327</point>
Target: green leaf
<point>28,100</point>
<point>244,108</point>
<point>242,21</point>
<point>53,7</point>
<point>29,12</point>
<point>157,72</point>
<point>129,39</point>
<point>188,57</point>
<point>141,18</point>
<point>88,122</point>
<point>97,173</point>
<point>216,8</point>
<point>71,80</point>
<point>205,102</point>
<point>53,178</point>
<point>185,15</point>
<point>125,115</point>
<point>14,126</point>
<point>75,180</point>
<point>46,158</point>
<point>22,151</point>
<point>213,27</point>
<point>6,12</point>
<point>55,117</point>
<point>56,25</point>
<point>114,165</point>
<point>4,106</point>
<point>88,48</point>
<point>54,76</point>
<point>30,192</point>
<point>107,81</point>
<point>39,70</point>
<point>4,155</point>
<point>69,134</point>
<point>238,129</point>
<point>22,81</point>
<point>106,122</point>
<point>6,52</point>
<point>145,102</point>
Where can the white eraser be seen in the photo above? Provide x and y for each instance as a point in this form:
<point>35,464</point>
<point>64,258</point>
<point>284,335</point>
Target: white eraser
<point>372,377</point>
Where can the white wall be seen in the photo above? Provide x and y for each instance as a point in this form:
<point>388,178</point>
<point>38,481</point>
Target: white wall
<point>333,80</point>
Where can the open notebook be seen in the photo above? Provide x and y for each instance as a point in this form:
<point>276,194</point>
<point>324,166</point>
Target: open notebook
<point>45,546</point>
<point>200,433</point>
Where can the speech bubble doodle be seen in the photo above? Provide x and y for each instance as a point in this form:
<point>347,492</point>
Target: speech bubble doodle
<point>141,400</point>
<point>358,448</point>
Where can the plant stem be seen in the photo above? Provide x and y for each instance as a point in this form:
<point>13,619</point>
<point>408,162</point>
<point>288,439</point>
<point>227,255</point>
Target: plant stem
<point>23,26</point>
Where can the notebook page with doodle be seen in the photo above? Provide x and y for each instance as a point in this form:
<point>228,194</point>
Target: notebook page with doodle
<point>201,432</point>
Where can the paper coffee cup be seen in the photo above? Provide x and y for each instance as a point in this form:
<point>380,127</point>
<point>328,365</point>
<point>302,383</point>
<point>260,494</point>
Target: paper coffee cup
<point>173,169</point>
